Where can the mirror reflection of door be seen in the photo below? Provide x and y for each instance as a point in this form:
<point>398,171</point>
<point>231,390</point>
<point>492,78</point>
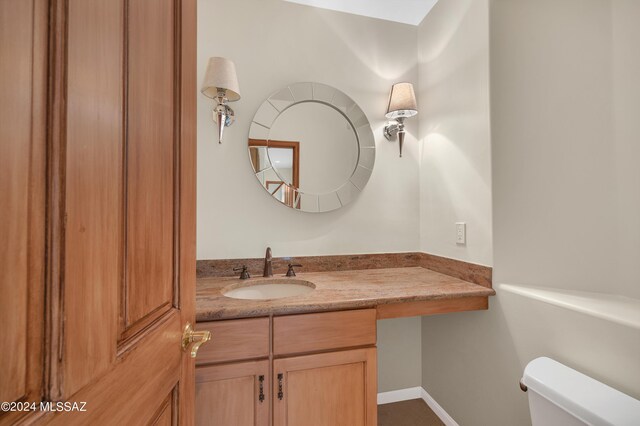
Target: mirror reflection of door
<point>280,191</point>
<point>284,156</point>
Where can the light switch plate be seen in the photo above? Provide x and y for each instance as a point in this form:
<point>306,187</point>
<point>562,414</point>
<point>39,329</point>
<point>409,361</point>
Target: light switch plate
<point>461,233</point>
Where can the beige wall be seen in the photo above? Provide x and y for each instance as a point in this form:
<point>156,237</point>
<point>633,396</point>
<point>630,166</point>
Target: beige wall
<point>626,121</point>
<point>274,43</point>
<point>566,201</point>
<point>399,354</point>
<point>455,160</point>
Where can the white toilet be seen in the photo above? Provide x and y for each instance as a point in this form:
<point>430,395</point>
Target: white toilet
<point>561,396</point>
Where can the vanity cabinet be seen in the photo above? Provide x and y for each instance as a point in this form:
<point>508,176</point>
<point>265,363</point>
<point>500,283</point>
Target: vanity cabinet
<point>233,394</point>
<point>334,388</point>
<point>308,369</point>
<point>232,374</point>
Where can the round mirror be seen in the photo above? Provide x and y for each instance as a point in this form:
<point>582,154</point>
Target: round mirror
<point>311,147</point>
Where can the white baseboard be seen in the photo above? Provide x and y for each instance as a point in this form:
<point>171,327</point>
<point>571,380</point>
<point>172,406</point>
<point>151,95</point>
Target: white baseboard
<point>416,393</point>
<point>399,395</point>
<point>437,409</point>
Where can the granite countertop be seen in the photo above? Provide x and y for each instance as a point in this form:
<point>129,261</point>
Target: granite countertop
<point>335,291</point>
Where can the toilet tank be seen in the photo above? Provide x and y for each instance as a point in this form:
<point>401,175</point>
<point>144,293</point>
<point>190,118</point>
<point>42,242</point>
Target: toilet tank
<point>562,396</point>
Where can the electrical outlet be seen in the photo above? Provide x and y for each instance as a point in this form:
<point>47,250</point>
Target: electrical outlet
<point>461,233</point>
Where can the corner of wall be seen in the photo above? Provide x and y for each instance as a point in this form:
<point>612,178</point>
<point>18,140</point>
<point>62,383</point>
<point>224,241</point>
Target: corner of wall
<point>454,130</point>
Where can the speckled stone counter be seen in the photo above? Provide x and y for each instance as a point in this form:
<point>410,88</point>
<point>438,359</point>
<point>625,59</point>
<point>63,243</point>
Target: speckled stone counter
<point>336,291</point>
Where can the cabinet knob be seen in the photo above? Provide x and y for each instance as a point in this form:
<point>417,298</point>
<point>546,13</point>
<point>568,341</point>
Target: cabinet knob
<point>280,391</point>
<point>194,339</point>
<point>261,392</point>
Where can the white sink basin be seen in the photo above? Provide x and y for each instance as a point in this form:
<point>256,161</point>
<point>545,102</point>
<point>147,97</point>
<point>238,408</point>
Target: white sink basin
<point>269,289</point>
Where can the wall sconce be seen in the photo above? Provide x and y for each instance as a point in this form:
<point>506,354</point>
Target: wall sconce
<point>221,83</point>
<point>402,104</point>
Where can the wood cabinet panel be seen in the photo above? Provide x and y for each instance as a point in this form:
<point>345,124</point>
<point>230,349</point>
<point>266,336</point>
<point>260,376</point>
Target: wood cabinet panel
<point>23,49</point>
<point>432,307</point>
<point>93,195</point>
<point>323,331</point>
<point>337,388</point>
<point>150,158</point>
<point>235,340</point>
<point>328,395</point>
<point>230,394</point>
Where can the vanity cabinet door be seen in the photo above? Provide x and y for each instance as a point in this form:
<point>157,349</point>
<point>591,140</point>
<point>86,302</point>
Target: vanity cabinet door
<point>328,389</point>
<point>233,394</point>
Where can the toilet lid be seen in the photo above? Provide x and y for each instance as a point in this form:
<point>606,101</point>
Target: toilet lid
<point>587,399</point>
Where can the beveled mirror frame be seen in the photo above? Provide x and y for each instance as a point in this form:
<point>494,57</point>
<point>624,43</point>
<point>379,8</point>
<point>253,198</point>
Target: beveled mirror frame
<point>295,94</point>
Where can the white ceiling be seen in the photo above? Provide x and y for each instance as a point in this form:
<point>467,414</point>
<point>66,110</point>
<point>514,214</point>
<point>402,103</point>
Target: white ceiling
<point>405,11</point>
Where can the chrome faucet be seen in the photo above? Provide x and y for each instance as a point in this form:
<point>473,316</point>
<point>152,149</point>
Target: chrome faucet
<point>268,271</point>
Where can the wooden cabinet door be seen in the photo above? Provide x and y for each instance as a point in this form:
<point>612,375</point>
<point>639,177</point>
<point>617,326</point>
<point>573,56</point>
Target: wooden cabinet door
<point>98,214</point>
<point>329,389</point>
<point>233,394</point>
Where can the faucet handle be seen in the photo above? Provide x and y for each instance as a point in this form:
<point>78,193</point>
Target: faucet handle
<point>291,272</point>
<point>245,272</point>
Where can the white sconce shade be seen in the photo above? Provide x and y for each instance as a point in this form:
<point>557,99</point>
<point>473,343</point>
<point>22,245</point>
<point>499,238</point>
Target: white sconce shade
<point>402,105</point>
<point>221,83</point>
<point>402,101</point>
<point>221,77</point>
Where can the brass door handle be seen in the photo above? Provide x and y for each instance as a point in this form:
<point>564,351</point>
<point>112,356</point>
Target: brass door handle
<point>193,338</point>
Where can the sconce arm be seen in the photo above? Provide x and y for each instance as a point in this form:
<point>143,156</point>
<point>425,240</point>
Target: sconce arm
<point>393,129</point>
